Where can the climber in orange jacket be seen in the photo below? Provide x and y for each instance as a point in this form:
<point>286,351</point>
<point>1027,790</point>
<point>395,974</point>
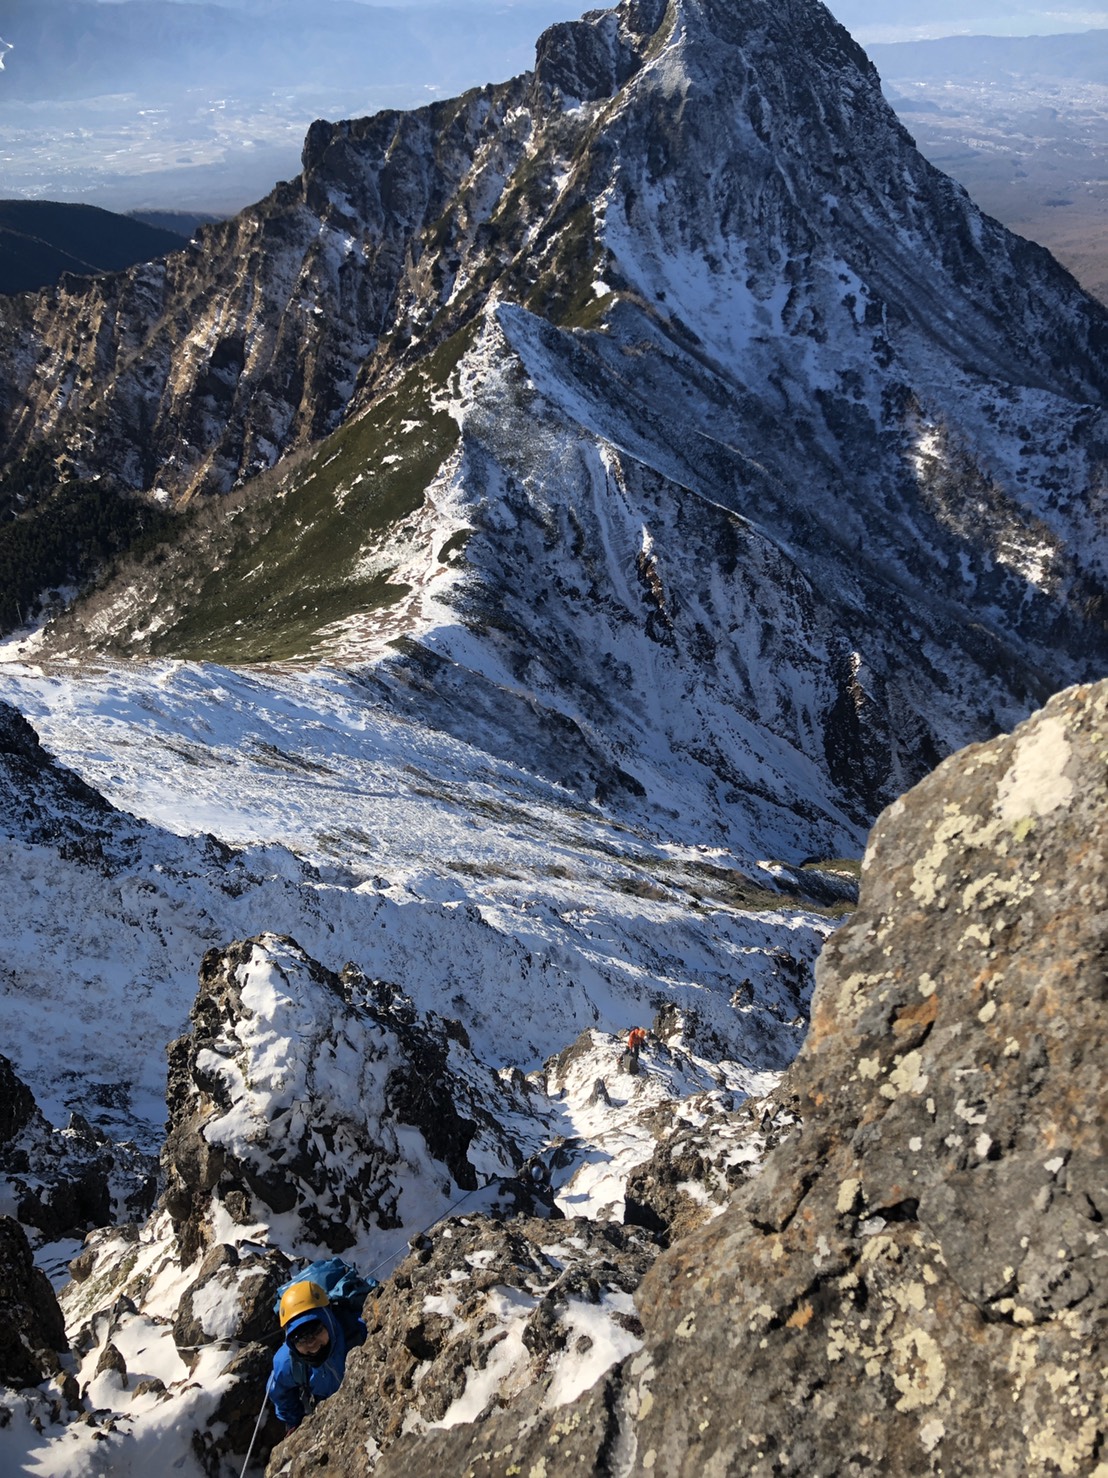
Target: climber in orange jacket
<point>636,1037</point>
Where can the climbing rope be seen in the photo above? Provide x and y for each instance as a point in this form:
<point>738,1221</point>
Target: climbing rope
<point>432,1224</point>
<point>257,1429</point>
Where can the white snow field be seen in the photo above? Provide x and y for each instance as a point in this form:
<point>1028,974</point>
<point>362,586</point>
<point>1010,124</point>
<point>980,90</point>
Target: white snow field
<point>481,890</point>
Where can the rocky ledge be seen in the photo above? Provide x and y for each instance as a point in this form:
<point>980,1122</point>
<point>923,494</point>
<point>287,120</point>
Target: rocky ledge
<point>32,1329</point>
<point>917,1282</point>
<point>62,1182</point>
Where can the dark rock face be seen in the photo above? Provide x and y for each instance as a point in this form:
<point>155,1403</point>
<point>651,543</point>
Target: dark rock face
<point>226,1435</point>
<point>17,1104</point>
<point>231,1298</point>
<point>65,1181</point>
<point>230,1302</point>
<point>584,60</point>
<point>917,1281</point>
<point>40,796</point>
<point>32,1329</point>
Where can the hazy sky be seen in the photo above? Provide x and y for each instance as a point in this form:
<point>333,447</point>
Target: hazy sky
<point>896,20</point>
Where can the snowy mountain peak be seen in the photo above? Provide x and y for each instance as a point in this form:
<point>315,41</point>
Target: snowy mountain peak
<point>683,399</point>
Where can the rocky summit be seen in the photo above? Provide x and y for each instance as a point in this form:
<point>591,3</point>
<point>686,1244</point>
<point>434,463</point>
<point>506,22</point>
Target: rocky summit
<point>289,1097</point>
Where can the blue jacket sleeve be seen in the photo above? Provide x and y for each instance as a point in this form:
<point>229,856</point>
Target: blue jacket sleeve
<point>283,1390</point>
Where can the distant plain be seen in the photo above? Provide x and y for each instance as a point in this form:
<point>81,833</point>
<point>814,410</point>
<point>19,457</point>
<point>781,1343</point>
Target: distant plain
<point>1023,125</point>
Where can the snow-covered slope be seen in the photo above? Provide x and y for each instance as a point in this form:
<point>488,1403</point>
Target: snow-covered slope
<point>490,902</point>
<point>482,891</point>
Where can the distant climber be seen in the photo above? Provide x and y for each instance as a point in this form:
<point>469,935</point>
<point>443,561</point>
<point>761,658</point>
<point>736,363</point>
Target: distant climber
<point>537,1174</point>
<point>629,1058</point>
<point>310,1364</point>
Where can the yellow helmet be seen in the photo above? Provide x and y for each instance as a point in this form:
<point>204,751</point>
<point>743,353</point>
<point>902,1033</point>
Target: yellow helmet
<point>301,1298</point>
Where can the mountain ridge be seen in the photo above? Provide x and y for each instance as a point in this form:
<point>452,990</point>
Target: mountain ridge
<point>884,408</point>
<point>41,240</point>
<point>336,156</point>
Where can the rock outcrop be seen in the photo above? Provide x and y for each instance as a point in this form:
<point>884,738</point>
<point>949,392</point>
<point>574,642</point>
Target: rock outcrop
<point>198,1351</point>
<point>314,1111</point>
<point>296,1095</point>
<point>17,1104</point>
<point>481,1310</point>
<point>917,1282</point>
<point>43,800</point>
<point>705,1152</point>
<point>231,1298</point>
<point>32,1329</point>
<point>63,1182</point>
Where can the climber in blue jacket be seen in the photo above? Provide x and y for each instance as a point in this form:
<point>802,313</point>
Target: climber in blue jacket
<point>310,1364</point>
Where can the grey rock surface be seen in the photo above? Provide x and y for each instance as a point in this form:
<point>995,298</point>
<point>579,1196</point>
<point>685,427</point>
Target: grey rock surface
<point>481,1310</point>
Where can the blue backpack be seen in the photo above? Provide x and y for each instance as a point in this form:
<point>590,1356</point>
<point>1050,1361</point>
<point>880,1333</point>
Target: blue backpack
<point>344,1286</point>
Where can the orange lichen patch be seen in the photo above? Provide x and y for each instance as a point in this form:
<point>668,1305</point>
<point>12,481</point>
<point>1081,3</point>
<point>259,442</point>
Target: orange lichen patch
<point>913,1018</point>
<point>802,1318</point>
<point>825,1022</point>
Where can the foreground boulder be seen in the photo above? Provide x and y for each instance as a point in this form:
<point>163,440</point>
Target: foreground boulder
<point>918,1281</point>
<point>481,1310</point>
